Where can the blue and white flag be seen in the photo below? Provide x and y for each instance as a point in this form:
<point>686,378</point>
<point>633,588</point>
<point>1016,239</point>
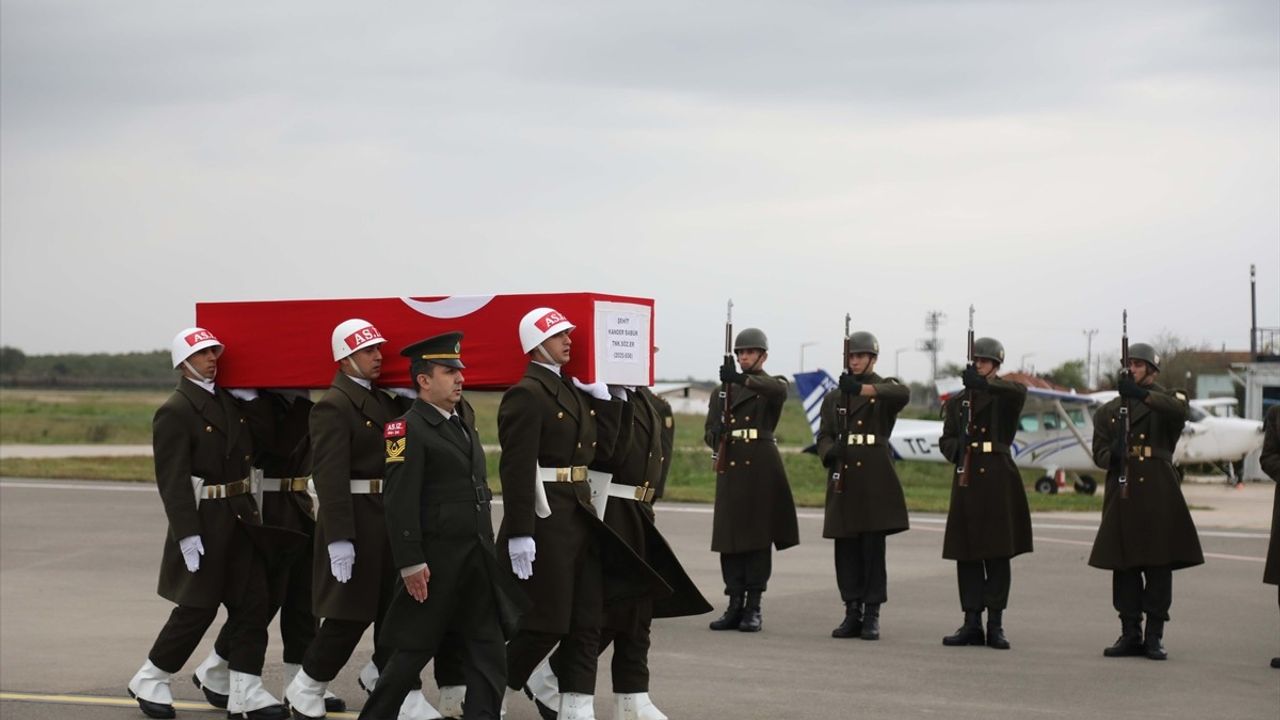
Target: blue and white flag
<point>812,387</point>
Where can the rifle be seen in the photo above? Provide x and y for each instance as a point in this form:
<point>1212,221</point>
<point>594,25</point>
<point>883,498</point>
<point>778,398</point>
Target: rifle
<point>838,476</point>
<point>1123,479</point>
<point>720,460</point>
<point>963,470</point>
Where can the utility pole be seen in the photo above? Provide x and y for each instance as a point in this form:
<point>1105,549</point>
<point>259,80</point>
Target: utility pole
<point>932,344</point>
<point>1088,357</point>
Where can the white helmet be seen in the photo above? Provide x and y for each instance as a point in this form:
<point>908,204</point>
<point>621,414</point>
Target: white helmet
<point>191,341</point>
<point>539,324</point>
<point>352,335</point>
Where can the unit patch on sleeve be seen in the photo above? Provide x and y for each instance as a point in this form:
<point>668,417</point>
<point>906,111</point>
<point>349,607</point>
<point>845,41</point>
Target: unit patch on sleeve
<point>394,432</point>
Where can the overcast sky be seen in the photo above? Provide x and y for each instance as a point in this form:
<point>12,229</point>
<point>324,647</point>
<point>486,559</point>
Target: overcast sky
<point>1049,162</point>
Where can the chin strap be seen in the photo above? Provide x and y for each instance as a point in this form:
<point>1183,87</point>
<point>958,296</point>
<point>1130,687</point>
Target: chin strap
<point>194,372</point>
<point>355,369</point>
<point>543,352</point>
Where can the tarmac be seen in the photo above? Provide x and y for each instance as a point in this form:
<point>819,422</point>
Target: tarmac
<point>78,611</point>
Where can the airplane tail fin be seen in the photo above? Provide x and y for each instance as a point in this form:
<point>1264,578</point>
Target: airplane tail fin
<point>948,387</point>
<point>813,386</point>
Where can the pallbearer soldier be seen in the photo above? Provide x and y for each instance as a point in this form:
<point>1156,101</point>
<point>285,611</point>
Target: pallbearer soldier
<point>864,497</point>
<point>637,474</point>
<point>202,457</point>
<point>1271,466</point>
<point>988,521</point>
<point>282,454</point>
<point>1146,531</point>
<point>352,567</point>
<point>550,429</point>
<point>441,532</point>
<point>754,508</point>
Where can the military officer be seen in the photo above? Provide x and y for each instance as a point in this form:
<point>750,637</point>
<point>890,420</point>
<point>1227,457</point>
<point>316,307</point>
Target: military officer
<point>1271,466</point>
<point>753,508</point>
<point>864,497</point>
<point>636,474</point>
<point>202,457</point>
<point>550,428</point>
<point>1146,531</point>
<point>441,533</point>
<point>282,455</point>
<point>352,569</point>
<point>988,521</point>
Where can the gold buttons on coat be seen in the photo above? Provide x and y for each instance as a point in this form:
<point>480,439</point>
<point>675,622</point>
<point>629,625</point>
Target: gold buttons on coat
<point>1142,436</point>
<point>242,421</point>
<point>748,462</point>
<point>368,423</point>
<point>858,464</point>
<point>246,457</point>
<point>208,428</point>
<point>872,400</point>
<point>593,443</point>
<point>731,463</point>
<point>747,419</point>
<point>593,413</point>
<point>560,415</point>
<point>859,422</point>
<point>579,444</point>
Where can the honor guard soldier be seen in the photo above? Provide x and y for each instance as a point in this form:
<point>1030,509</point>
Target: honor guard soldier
<point>202,457</point>
<point>550,429</point>
<point>635,474</point>
<point>864,496</point>
<point>754,508</point>
<point>282,457</point>
<point>352,566</point>
<point>441,532</point>
<point>1271,466</point>
<point>1146,531</point>
<point>988,521</point>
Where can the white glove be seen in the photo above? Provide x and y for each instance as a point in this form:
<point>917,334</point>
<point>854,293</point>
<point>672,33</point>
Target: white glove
<point>192,549</point>
<point>522,551</point>
<point>619,392</point>
<point>403,392</point>
<point>597,390</point>
<point>245,394</point>
<point>342,557</point>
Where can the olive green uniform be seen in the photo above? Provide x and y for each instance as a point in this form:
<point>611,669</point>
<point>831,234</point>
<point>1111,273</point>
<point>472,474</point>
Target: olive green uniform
<point>754,508</point>
<point>544,421</point>
<point>1271,466</point>
<point>864,496</point>
<point>1150,533</point>
<point>202,434</point>
<point>438,513</point>
<point>988,521</point>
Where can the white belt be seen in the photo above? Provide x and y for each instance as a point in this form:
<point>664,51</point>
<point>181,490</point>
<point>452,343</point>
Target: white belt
<point>366,487</point>
<point>632,492</point>
<point>294,484</point>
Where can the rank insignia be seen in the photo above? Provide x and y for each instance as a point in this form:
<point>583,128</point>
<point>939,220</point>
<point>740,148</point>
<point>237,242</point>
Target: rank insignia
<point>395,450</point>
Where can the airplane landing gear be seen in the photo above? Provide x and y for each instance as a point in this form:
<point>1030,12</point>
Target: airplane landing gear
<point>1086,485</point>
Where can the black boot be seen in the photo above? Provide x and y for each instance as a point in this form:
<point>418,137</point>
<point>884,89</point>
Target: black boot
<point>751,619</point>
<point>1275,662</point>
<point>153,709</point>
<point>871,622</point>
<point>970,633</point>
<point>995,630</point>
<point>852,624</point>
<point>732,616</point>
<point>1129,644</point>
<point>1153,645</point>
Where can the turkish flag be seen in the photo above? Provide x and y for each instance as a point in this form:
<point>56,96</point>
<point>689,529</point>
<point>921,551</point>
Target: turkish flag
<point>287,343</point>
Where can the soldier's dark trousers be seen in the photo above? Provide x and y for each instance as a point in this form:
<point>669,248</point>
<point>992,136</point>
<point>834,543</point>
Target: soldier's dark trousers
<point>1141,591</point>
<point>630,667</point>
<point>246,628</point>
<point>482,666</point>
<point>337,639</point>
<point>860,568</point>
<point>575,663</point>
<point>983,584</point>
<point>746,571</point>
<point>291,598</point>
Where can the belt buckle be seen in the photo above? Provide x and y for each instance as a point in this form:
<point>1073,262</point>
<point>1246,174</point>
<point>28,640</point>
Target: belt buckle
<point>986,447</point>
<point>869,439</point>
<point>375,486</point>
<point>482,495</point>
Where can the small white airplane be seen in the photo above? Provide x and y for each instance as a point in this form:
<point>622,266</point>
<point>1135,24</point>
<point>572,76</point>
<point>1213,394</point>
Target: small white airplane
<point>1055,432</point>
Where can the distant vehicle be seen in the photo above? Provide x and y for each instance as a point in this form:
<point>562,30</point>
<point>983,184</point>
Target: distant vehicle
<point>1055,432</point>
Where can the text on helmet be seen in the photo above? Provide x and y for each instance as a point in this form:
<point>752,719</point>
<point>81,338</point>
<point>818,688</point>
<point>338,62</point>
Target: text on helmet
<point>199,336</point>
<point>546,322</point>
<point>362,336</point>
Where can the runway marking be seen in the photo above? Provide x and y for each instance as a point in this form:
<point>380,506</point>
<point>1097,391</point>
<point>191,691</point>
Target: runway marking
<point>123,702</point>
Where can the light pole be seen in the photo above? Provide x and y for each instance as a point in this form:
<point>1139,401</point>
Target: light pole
<point>1023,362</point>
<point>897,355</point>
<point>804,345</point>
<point>1088,357</point>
